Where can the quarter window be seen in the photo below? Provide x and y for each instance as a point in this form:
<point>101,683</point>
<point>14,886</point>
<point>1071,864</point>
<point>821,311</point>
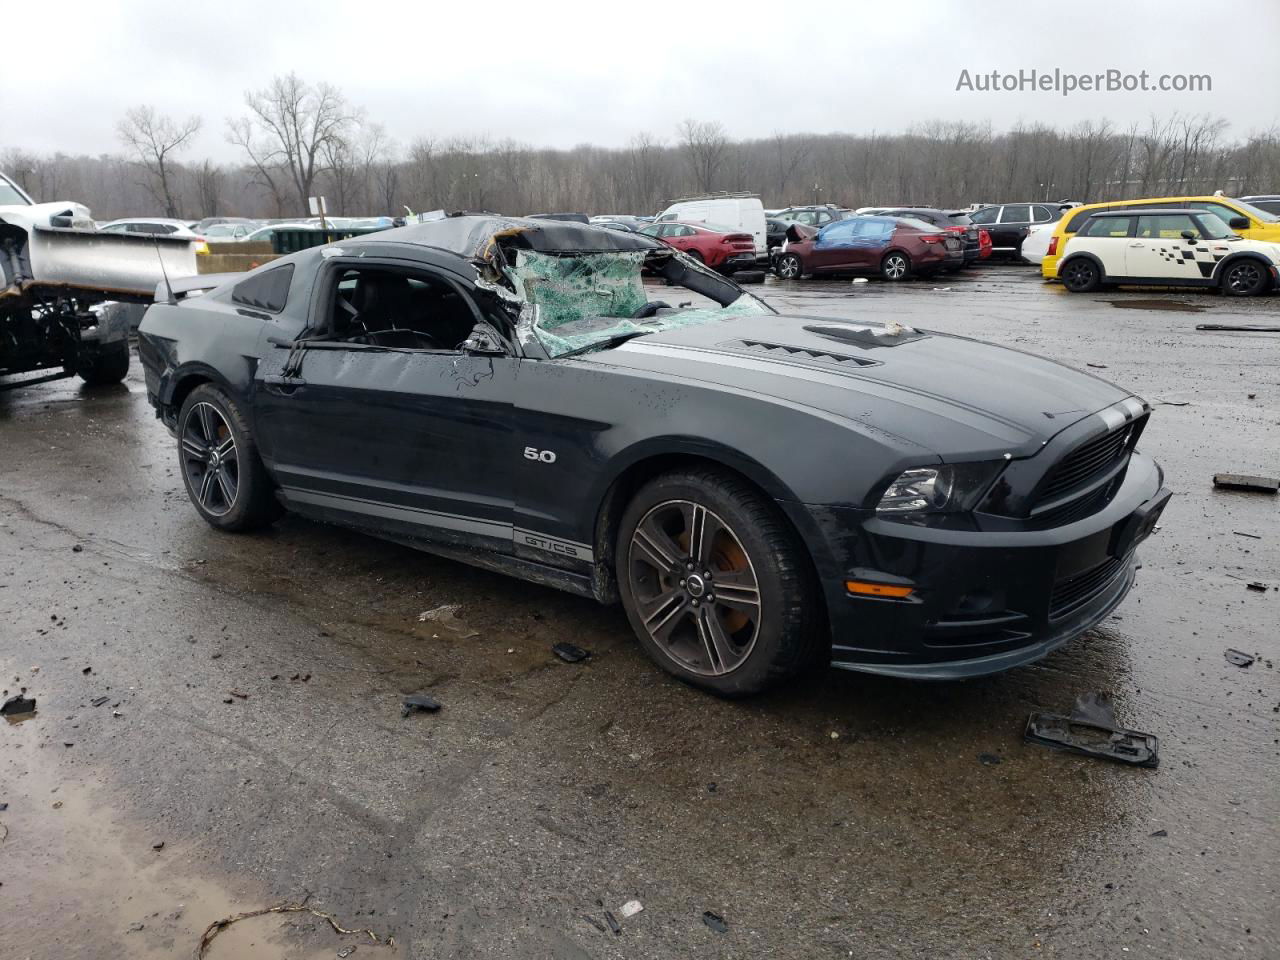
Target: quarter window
<point>268,290</point>
<point>1108,227</point>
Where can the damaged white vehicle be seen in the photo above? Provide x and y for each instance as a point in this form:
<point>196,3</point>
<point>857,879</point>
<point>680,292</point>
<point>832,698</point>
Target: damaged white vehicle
<point>55,266</point>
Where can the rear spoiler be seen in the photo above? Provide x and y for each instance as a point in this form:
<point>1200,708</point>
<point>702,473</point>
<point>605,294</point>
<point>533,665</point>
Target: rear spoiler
<point>179,288</point>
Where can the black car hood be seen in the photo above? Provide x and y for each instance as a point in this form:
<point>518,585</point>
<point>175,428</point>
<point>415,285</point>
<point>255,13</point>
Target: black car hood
<point>953,396</point>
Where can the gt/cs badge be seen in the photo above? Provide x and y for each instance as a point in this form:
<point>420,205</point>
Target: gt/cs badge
<point>533,453</point>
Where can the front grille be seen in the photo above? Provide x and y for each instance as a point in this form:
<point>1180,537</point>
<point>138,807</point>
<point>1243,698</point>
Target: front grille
<point>1087,461</point>
<point>1074,510</point>
<point>1072,593</point>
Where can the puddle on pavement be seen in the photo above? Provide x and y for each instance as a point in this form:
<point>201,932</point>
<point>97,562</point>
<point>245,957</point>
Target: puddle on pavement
<point>1174,306</point>
<point>79,883</point>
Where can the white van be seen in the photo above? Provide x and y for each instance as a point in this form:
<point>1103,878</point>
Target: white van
<point>736,213</point>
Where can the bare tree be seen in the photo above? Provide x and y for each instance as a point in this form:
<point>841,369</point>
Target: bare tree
<point>293,127</point>
<point>209,188</point>
<point>706,145</point>
<point>155,139</point>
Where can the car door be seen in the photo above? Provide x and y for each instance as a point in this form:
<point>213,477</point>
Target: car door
<point>1107,238</point>
<point>1008,234</point>
<point>833,249</point>
<point>399,428</point>
<point>1158,248</point>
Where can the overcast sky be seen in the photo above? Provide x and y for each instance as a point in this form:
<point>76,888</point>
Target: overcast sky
<point>558,74</point>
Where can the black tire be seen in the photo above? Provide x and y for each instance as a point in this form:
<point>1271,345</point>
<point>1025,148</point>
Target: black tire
<point>788,267</point>
<point>895,266</point>
<point>1080,275</point>
<point>717,642</point>
<point>252,503</point>
<point>748,276</point>
<point>1245,278</point>
<point>108,363</point>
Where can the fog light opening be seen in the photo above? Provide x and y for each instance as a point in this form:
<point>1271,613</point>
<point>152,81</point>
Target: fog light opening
<point>864,588</point>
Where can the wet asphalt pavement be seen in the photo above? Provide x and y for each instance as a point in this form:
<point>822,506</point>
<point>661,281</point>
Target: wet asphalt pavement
<point>252,722</point>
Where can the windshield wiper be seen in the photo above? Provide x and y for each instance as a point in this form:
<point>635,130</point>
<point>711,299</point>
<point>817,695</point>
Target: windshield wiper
<point>607,343</point>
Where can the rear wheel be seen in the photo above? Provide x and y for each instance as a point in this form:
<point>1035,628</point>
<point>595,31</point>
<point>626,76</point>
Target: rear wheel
<point>787,267</point>
<point>895,266</point>
<point>716,585</point>
<point>1246,278</point>
<point>1080,276</point>
<point>109,363</point>
<point>223,474</point>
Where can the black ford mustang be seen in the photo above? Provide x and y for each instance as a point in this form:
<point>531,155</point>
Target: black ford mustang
<point>592,410</point>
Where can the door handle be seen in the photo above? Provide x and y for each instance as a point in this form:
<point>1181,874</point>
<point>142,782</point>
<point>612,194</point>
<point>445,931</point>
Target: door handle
<point>282,386</point>
<point>1137,244</point>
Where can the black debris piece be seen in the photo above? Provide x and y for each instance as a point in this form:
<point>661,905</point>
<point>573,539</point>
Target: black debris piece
<point>594,922</point>
<point>715,922</point>
<point>87,670</point>
<point>1160,833</point>
<point>1243,481</point>
<point>17,705</point>
<point>1257,585</point>
<point>77,548</point>
<point>1251,536</point>
<point>570,653</point>
<point>158,845</point>
<point>98,701</point>
<point>989,759</point>
<point>1097,366</point>
<point>1091,730</point>
<point>1238,658</point>
<point>3,807</point>
<point>418,701</point>
<point>1245,327</point>
<point>610,919</point>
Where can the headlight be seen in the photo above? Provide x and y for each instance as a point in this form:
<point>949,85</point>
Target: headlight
<point>943,489</point>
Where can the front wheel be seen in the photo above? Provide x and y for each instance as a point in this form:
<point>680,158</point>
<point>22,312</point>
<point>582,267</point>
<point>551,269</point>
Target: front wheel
<point>787,267</point>
<point>223,474</point>
<point>895,266</point>
<point>109,363</point>
<point>1248,278</point>
<point>1080,276</point>
<point>716,584</point>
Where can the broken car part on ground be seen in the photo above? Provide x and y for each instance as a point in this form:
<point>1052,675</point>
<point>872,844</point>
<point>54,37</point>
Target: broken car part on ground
<point>504,391</point>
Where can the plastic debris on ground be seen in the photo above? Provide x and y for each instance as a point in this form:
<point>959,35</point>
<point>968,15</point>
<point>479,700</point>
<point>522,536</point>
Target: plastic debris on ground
<point>613,923</point>
<point>989,759</point>
<point>1238,658</point>
<point>444,612</point>
<point>18,708</point>
<point>570,653</point>
<point>418,702</point>
<point>630,909</point>
<point>715,922</point>
<point>1244,481</point>
<point>1092,730</point>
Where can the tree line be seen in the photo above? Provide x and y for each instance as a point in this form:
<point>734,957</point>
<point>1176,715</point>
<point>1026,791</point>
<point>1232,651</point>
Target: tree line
<point>297,139</point>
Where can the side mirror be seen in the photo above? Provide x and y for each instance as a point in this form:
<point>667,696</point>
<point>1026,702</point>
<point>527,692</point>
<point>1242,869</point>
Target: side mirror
<point>483,342</point>
<point>1238,223</point>
<point>1189,235</point>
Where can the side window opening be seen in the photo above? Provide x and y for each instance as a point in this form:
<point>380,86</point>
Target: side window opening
<point>267,291</point>
<point>410,310</point>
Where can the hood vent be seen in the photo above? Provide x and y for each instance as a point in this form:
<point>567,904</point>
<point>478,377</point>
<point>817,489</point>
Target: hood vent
<point>784,352</point>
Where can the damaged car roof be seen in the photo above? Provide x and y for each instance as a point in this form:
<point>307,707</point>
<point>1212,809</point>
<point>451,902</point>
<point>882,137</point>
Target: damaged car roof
<point>471,236</point>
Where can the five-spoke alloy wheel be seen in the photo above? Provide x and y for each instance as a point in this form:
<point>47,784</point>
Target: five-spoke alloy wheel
<point>210,460</point>
<point>716,583</point>
<point>223,474</point>
<point>695,587</point>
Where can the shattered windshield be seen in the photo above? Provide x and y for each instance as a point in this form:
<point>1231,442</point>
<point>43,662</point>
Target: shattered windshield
<point>592,300</point>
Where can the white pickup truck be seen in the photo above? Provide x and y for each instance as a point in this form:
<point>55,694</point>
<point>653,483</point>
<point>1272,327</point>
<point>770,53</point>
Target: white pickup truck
<point>54,267</point>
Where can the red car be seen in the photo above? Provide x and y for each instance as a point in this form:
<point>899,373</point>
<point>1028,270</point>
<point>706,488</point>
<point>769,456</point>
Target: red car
<point>893,247</point>
<point>719,249</point>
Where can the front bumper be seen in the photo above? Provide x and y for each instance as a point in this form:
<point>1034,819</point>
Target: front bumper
<point>982,601</point>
